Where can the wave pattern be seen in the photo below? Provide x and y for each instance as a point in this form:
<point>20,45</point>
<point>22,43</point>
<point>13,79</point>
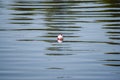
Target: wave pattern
<point>28,40</point>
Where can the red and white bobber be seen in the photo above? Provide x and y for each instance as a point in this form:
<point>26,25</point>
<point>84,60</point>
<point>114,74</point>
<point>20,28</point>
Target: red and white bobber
<point>60,38</point>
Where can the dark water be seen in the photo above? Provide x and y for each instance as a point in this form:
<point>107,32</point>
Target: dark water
<point>29,49</point>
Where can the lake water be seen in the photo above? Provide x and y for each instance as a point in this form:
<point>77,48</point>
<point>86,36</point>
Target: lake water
<point>28,40</point>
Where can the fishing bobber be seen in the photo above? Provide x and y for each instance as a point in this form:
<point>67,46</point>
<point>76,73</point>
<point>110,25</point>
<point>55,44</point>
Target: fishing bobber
<point>60,38</point>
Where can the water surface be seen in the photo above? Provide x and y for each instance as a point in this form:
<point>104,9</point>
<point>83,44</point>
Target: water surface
<point>28,40</point>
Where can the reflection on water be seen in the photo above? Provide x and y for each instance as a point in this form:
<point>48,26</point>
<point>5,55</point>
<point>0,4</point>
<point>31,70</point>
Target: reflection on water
<point>29,49</point>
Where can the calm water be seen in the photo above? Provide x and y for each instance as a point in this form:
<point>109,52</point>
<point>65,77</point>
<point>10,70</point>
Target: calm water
<point>29,49</point>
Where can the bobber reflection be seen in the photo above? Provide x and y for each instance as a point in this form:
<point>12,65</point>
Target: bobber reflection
<point>60,41</point>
